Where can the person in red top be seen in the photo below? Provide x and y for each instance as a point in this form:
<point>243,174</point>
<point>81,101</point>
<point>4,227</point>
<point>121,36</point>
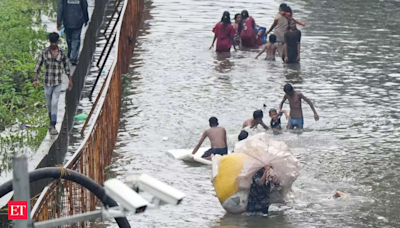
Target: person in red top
<point>247,30</point>
<point>224,32</point>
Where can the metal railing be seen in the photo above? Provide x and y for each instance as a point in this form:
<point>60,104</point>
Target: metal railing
<point>63,198</point>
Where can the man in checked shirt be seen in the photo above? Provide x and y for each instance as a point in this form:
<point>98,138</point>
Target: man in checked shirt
<point>54,58</point>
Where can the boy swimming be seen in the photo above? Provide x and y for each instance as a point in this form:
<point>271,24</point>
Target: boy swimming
<point>296,112</point>
<point>255,121</point>
<point>270,48</point>
<point>217,137</point>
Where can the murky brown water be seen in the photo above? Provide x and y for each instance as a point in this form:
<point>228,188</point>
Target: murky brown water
<point>349,69</point>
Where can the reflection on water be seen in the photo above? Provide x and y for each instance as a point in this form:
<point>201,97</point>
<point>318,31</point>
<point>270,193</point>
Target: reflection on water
<point>349,70</point>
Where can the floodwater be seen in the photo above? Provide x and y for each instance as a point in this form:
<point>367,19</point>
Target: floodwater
<point>349,68</point>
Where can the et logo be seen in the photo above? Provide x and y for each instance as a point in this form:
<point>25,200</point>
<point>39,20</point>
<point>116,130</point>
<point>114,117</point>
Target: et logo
<point>17,210</point>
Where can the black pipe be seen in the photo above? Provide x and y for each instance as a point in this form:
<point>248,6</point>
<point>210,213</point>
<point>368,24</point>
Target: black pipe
<point>67,174</point>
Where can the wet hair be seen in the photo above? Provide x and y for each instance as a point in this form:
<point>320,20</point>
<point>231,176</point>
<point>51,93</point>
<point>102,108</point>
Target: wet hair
<point>258,114</point>
<point>272,110</point>
<point>272,38</point>
<point>288,10</point>
<point>245,15</point>
<point>282,5</point>
<point>288,88</point>
<point>226,18</point>
<point>213,121</point>
<point>236,15</point>
<point>243,135</point>
<point>53,37</point>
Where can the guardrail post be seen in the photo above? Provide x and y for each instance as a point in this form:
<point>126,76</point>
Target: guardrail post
<point>22,188</point>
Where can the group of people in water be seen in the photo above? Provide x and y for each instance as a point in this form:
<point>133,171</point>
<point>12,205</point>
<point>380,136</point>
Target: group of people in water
<point>244,32</point>
<point>217,135</point>
<point>260,188</point>
<point>285,40</point>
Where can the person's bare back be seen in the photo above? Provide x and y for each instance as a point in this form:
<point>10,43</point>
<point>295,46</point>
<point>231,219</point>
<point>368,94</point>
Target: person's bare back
<point>271,50</point>
<point>217,136</point>
<point>249,123</point>
<point>255,121</point>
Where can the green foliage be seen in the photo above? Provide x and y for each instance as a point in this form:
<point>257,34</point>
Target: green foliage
<point>22,36</point>
<point>20,39</point>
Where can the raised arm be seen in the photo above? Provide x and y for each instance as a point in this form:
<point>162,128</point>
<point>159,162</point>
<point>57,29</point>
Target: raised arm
<point>273,25</point>
<point>282,102</point>
<point>200,142</point>
<point>316,117</point>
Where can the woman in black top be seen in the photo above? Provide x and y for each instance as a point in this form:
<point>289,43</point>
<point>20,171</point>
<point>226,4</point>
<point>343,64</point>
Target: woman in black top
<point>291,53</point>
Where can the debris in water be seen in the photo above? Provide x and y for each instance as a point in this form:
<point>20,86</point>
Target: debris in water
<point>81,116</point>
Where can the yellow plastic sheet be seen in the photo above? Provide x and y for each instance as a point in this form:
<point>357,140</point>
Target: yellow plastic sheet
<point>226,183</point>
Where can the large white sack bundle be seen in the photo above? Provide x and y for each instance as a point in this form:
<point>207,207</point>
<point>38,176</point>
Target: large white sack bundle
<point>233,173</point>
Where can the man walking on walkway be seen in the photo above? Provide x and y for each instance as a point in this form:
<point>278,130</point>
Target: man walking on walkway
<point>54,58</point>
<point>74,13</point>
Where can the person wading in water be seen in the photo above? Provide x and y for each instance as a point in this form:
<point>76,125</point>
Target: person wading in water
<point>224,33</point>
<point>280,26</point>
<point>247,31</point>
<point>291,53</point>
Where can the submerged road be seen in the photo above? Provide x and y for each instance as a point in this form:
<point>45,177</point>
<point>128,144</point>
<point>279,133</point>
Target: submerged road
<point>349,68</point>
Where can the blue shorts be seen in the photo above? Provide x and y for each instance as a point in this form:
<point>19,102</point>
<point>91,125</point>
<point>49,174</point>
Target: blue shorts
<point>296,122</point>
<point>270,58</point>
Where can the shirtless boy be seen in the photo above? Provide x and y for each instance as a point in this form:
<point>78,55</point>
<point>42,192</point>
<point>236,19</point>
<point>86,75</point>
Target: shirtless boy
<point>217,137</point>
<point>296,112</point>
<point>256,120</point>
<point>270,49</point>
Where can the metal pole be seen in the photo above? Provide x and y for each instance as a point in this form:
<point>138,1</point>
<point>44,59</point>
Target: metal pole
<point>22,188</point>
<point>113,212</point>
<point>88,216</point>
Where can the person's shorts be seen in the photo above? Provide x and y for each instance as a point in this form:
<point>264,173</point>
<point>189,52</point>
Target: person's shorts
<point>296,122</point>
<point>270,58</point>
<point>220,151</point>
